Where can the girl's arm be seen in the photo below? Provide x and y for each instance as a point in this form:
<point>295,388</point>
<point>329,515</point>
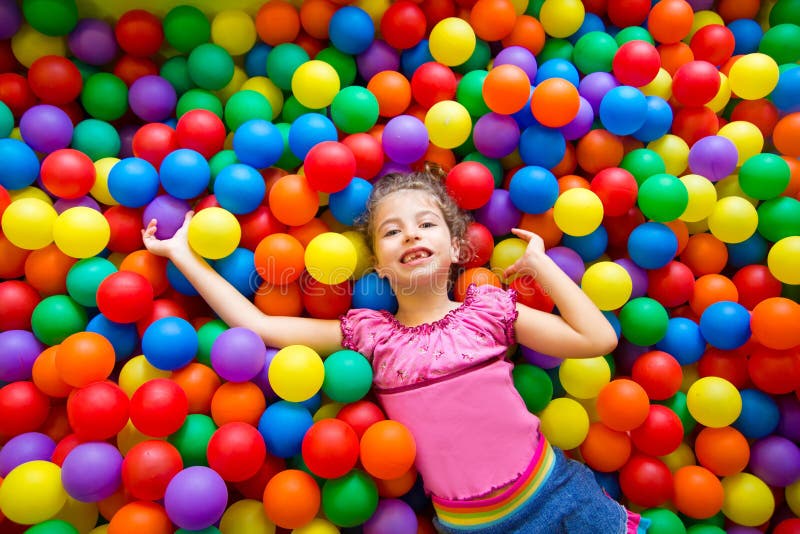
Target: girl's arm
<point>322,335</point>
<point>581,331</point>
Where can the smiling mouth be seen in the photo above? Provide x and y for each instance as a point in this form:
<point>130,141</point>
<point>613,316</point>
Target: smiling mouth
<point>415,255</point>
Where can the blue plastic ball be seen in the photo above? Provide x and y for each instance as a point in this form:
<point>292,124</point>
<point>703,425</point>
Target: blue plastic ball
<point>752,250</point>
<point>255,61</point>
<point>683,340</point>
<point>542,146</point>
<point>760,414</point>
<point>179,282</point>
<point>533,189</point>
<point>184,173</point>
<point>623,110</point>
<point>123,337</point>
<point>351,30</point>
<point>412,58</point>
<point>283,425</point>
<point>747,34</point>
<point>373,292</point>
<point>20,165</point>
<point>258,143</point>
<point>725,325</point>
<point>786,95</point>
<point>652,245</point>
<point>308,130</point>
<point>239,188</point>
<point>657,121</point>
<point>133,182</point>
<point>558,68</point>
<point>169,343</point>
<point>348,204</point>
<point>239,269</point>
<point>590,246</point>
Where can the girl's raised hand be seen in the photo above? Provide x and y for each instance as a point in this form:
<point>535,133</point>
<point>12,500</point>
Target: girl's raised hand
<point>171,247</point>
<point>534,252</point>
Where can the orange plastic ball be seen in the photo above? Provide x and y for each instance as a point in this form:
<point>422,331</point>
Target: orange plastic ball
<point>83,358</point>
<point>604,449</point>
<point>527,33</point>
<point>199,382</point>
<point>506,89</point>
<point>492,20</point>
<point>555,102</point>
<point>698,492</point>
<point>279,259</point>
<point>598,150</point>
<point>273,299</point>
<point>774,323</point>
<point>237,401</point>
<point>277,22</point>
<point>476,275</point>
<point>292,200</point>
<point>152,267</point>
<point>724,451</point>
<point>622,405</point>
<point>46,376</point>
<point>140,516</point>
<point>786,135</point>
<point>46,270</point>
<point>704,254</point>
<point>315,17</point>
<point>388,450</point>
<point>397,487</point>
<point>711,288</point>
<point>291,499</point>
<point>393,92</point>
<point>670,20</point>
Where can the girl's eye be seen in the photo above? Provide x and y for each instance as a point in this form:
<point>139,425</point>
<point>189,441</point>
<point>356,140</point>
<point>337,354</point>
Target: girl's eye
<point>427,225</point>
<point>390,233</point>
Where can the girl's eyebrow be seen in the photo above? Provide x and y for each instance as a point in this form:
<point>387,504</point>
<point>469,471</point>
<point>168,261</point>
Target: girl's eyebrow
<point>418,214</point>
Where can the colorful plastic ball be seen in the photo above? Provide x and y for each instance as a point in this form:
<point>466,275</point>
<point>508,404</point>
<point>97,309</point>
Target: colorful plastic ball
<point>21,166</point>
<point>373,292</point>
<point>775,460</point>
<point>695,83</point>
<point>152,98</point>
<point>24,448</point>
<point>470,183</point>
<point>169,343</point>
<point>238,354</point>
<point>125,297</point>
<point>584,378</point>
<point>659,373</point>
<point>448,123</point>
<point>236,451</point>
<point>533,189</point>
<point>283,426</point>
<point>241,515</point>
<point>405,139</point>
<point>196,498</point>
<point>210,66</point>
<point>81,232</point>
<point>388,450</point>
<point>330,448</point>
<point>32,492</point>
<point>403,25</point>
<point>19,350</point>
<point>644,321</point>
<point>506,89</point>
<point>135,515</point>
<point>21,299</point>
<point>646,481</point>
<point>714,402</point>
<point>724,451</point>
<point>608,285</point>
<point>201,130</point>
<point>746,137</point>
<point>351,30</point>
<point>67,173</point>
<point>148,467</point>
<point>28,223</point>
<point>782,260</point>
<point>764,176</point>
<point>257,143</point>
<point>309,130</point>
<point>725,325</point>
<point>291,499</point>
<point>392,515</point>
<point>25,408</point>
<point>350,500</point>
<point>355,109</point>
<point>133,182</point>
<point>573,426</point>
<point>84,357</point>
<point>636,63</point>
<point>617,190</point>
<point>452,41</point>
<point>56,317</point>
<point>296,373</point>
<point>349,204</point>
<point>46,128</point>
<point>97,411</point>
<point>329,166</point>
<point>214,233</point>
<point>239,188</point>
<point>733,219</point>
<point>770,319</point>
<point>555,102</point>
<point>578,212</point>
<point>496,135</point>
<point>661,432</point>
<point>279,258</point>
<point>652,245</point>
<point>753,76</point>
<point>748,500</point>
<point>158,407</point>
<point>184,173</point>
<point>91,472</point>
<point>348,376</point>
<point>330,258</point>
<point>315,83</point>
<point>623,110</point>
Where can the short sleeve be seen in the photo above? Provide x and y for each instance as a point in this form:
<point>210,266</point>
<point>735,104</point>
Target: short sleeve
<point>361,328</point>
<point>494,310</point>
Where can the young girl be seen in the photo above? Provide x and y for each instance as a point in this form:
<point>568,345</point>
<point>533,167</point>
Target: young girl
<point>441,368</point>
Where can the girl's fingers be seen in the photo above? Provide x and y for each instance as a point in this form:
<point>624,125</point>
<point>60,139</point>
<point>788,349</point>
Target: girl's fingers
<point>523,234</point>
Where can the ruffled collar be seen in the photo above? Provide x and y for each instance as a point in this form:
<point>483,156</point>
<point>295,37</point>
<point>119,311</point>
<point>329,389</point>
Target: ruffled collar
<point>451,315</point>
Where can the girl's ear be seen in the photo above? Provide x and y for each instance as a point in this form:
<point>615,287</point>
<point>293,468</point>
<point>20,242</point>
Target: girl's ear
<point>455,251</point>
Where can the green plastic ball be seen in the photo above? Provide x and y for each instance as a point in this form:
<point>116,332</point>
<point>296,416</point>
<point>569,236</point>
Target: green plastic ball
<point>85,277</point>
<point>206,335</point>
<point>219,161</point>
<point>779,218</point>
<point>56,318</point>
<point>210,66</point>
<point>51,17</point>
<point>534,386</point>
<point>781,43</point>
<point>594,52</point>
<point>176,71</point>
<point>633,33</point>
<point>350,500</point>
<point>764,176</point>
<point>469,93</point>
<point>344,64</point>
<point>97,139</point>
<point>186,27</point>
<point>663,197</point>
<point>243,106</point>
<point>348,376</point>
<point>199,99</point>
<point>354,109</point>
<point>105,96</point>
<point>555,49</point>
<point>644,321</point>
<point>478,60</point>
<point>52,526</point>
<point>192,438</point>
<point>292,108</point>
<point>643,163</point>
<point>282,61</point>
<point>288,161</point>
<point>6,120</point>
<point>663,522</point>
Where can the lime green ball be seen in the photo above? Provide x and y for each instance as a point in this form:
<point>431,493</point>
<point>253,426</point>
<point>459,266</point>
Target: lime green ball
<point>52,526</point>
<point>85,277</point>
<point>56,318</point>
<point>282,61</point>
<point>555,49</point>
<point>97,139</point>
<point>594,52</point>
<point>199,99</point>
<point>764,176</point>
<point>704,529</point>
<point>344,64</point>
<point>243,106</point>
<point>350,500</point>
<point>781,43</point>
<point>51,17</point>
<point>779,218</point>
<point>677,403</point>
<point>633,33</point>
<point>478,60</point>
<point>186,27</point>
<point>288,161</point>
<point>292,108</point>
<point>210,66</point>
<point>176,71</point>
<point>663,197</point>
<point>348,376</point>
<point>534,386</point>
<point>663,522</point>
<point>644,321</point>
<point>206,335</point>
<point>469,93</point>
<point>354,109</point>
<point>105,96</point>
<point>192,438</point>
<point>643,163</point>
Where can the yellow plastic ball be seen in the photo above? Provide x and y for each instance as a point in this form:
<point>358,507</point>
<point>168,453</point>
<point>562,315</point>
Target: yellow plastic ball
<point>102,529</point>
<point>296,373</point>
<point>329,410</point>
<point>32,492</point>
<point>363,253</point>
<point>702,197</point>
<point>230,89</point>
<point>698,227</point>
<point>701,19</point>
<point>690,376</point>
<point>234,31</point>
<point>246,517</point>
<point>578,212</point>
<point>565,423</point>
<point>584,378</point>
<point>680,457</point>
<point>28,223</point>
<point>748,500</point>
<point>561,18</point>
<point>730,187</point>
<point>783,260</point>
<point>793,497</point>
<point>99,189</point>
<point>315,84</point>
<point>136,372</point>
<point>129,437</point>
<point>452,41</point>
<point>81,232</point>
<point>753,76</point>
<point>745,136</point>
<point>723,95</point>
<point>81,515</point>
<point>268,89</point>
<point>608,284</point>
<point>330,258</point>
<point>214,233</point>
<point>374,8</point>
<point>28,45</point>
<point>660,86</point>
<point>317,526</point>
<point>674,151</point>
<point>520,6</point>
<point>505,253</point>
<point>30,192</point>
<point>733,220</point>
<point>714,402</point>
<point>448,124</point>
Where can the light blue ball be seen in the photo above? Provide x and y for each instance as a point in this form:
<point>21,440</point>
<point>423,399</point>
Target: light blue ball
<point>169,343</point>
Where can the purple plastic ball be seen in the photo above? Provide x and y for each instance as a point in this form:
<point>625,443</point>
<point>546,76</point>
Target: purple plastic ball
<point>499,215</point>
<point>378,57</point>
<point>581,124</point>
<point>390,167</point>
<point>537,358</point>
<point>262,378</point>
<point>46,128</point>
<point>496,136</point>
<point>168,211</point>
<point>92,41</point>
<point>568,261</point>
<point>196,498</point>
<point>626,354</point>
<point>63,204</point>
<point>776,461</point>
<point>789,426</point>
<point>405,139</point>
<point>10,18</point>
<point>713,157</point>
<point>238,354</point>
<point>152,98</point>
<point>92,471</point>
<point>519,56</point>
<point>126,134</point>
<point>18,350</point>
<point>638,277</point>
<point>594,86</point>
<point>23,448</point>
<point>701,5</point>
<point>392,515</point>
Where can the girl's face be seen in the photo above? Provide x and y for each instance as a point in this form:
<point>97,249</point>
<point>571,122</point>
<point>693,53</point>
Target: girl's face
<point>413,246</point>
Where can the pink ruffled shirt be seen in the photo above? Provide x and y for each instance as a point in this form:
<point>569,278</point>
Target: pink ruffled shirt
<point>450,383</point>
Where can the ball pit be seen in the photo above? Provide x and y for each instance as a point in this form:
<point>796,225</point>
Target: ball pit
<point>653,146</point>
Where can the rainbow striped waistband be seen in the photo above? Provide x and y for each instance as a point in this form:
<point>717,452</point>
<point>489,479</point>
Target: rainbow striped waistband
<point>484,512</point>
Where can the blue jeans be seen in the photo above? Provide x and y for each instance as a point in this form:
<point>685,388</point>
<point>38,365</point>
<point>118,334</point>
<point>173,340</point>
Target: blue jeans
<point>569,502</point>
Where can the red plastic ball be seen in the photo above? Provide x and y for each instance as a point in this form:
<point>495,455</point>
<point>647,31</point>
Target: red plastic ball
<point>368,152</point>
<point>253,487</point>
<point>695,83</point>
<point>658,373</point>
<point>730,365</point>
<point>531,294</point>
<point>68,173</point>
<point>433,82</point>
<point>125,297</point>
<point>159,407</point>
<point>329,166</point>
<point>470,183</point>
<point>403,25</point>
<point>16,93</point>
<point>19,300</point>
<point>236,451</point>
<point>671,285</point>
<point>661,432</point>
<point>713,43</point>
<point>624,13</point>
<point>760,112</point>
<point>163,307</point>
<point>55,79</point>
<point>201,130</point>
<point>360,415</point>
<point>330,448</point>
<point>755,283</point>
<point>646,481</point>
<point>5,200</point>
<point>788,526</point>
<point>617,190</point>
<point>257,225</point>
<point>480,243</point>
<point>130,68</point>
<point>154,141</point>
<point>64,447</point>
<point>23,408</point>
<point>774,371</point>
<point>98,411</point>
<point>693,123</point>
<point>148,467</point>
<point>126,228</point>
<point>636,63</point>
<point>324,301</point>
<point>139,33</point>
